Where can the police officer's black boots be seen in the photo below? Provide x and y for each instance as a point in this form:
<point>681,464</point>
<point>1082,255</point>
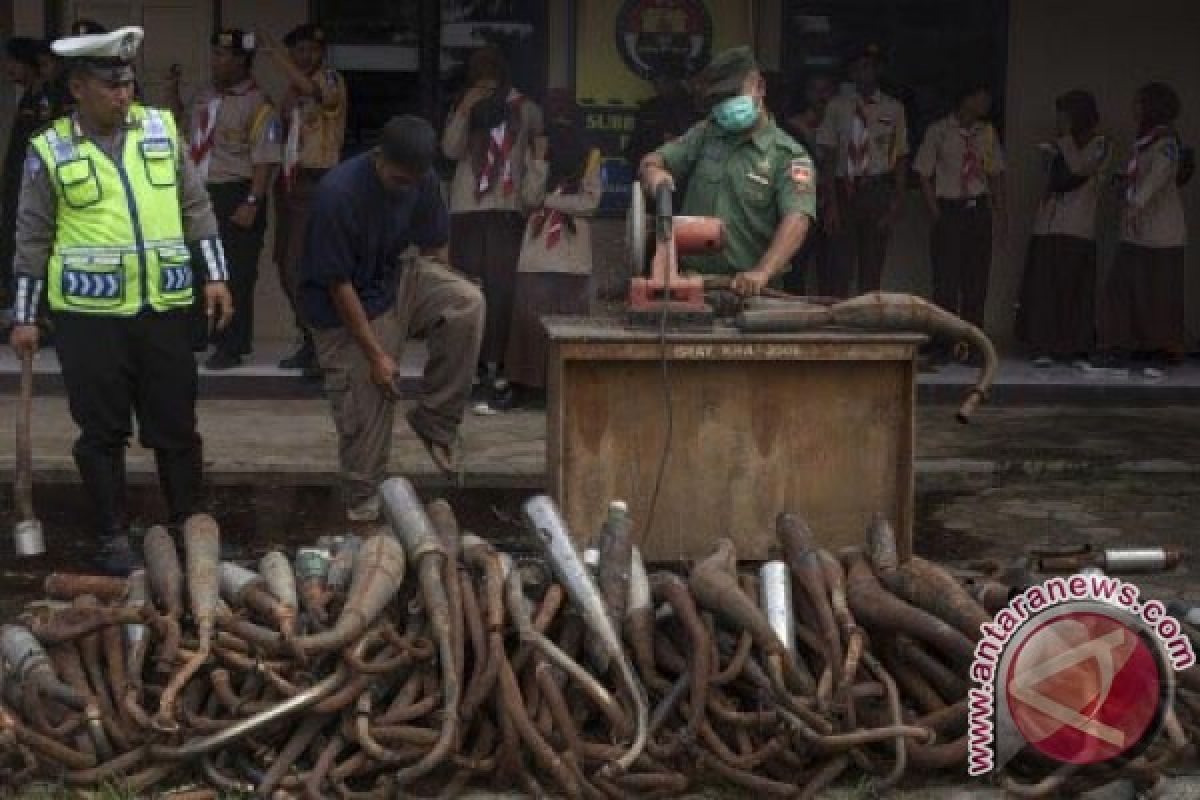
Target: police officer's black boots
<point>103,474</point>
<point>179,475</point>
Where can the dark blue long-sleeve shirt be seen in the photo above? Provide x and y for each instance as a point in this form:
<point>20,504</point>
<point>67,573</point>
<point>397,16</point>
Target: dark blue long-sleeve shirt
<point>357,232</point>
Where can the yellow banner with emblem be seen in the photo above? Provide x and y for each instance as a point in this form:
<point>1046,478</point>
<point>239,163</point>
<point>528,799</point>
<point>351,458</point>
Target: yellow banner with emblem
<point>621,43</point>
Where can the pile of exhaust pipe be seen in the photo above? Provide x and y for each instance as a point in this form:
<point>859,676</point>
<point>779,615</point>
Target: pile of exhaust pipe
<point>420,660</point>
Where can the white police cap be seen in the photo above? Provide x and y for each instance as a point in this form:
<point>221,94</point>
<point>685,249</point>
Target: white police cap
<point>115,48</point>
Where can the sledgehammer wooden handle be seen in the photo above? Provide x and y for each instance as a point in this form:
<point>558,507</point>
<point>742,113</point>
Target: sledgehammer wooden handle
<point>23,482</point>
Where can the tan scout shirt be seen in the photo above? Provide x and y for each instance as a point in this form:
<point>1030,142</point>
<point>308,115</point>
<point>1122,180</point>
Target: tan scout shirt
<point>1153,208</point>
<point>946,148</point>
<point>463,186</point>
<point>37,213</point>
<point>321,120</point>
<point>571,254</point>
<point>881,132</point>
<point>247,132</point>
<point>1073,213</point>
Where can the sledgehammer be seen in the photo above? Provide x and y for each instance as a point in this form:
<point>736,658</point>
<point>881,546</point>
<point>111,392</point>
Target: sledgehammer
<point>27,533</point>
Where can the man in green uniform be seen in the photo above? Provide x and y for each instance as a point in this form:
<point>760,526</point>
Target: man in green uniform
<point>742,168</point>
<point>108,209</point>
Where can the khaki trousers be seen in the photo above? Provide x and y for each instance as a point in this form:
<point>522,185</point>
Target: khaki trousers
<point>448,311</point>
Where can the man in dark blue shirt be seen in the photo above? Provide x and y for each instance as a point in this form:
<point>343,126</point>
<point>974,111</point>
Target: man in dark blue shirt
<point>364,295</point>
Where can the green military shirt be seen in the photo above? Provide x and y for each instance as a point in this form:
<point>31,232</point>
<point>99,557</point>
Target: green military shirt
<point>749,180</point>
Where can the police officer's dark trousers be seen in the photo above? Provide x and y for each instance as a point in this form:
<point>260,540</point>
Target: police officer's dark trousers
<point>117,368</point>
<point>242,249</point>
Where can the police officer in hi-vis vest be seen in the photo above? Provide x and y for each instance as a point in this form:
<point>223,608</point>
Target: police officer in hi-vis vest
<point>108,208</point>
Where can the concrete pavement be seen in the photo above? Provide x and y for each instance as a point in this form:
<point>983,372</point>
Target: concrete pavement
<point>291,440</point>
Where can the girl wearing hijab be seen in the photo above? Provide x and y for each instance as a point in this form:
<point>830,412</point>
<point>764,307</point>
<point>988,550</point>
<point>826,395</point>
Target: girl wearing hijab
<point>1056,319</point>
<point>489,135</point>
<point>1143,314</point>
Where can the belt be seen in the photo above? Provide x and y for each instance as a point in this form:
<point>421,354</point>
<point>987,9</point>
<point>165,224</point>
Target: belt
<point>315,173</point>
<point>978,201</point>
<point>861,180</point>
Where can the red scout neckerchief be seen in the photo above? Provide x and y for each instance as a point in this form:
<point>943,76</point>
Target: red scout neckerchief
<point>550,221</point>
<point>858,149</point>
<point>205,127</point>
<point>295,131</point>
<point>972,162</point>
<point>1142,143</point>
<point>499,153</point>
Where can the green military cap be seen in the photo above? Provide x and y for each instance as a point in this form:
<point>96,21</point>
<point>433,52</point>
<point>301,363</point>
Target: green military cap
<point>727,71</point>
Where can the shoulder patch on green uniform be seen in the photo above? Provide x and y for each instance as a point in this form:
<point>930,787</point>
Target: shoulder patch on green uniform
<point>802,173</point>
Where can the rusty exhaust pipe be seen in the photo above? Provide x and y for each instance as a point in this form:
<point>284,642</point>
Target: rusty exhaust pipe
<point>378,575</point>
<point>552,533</point>
<point>243,588</point>
<point>202,541</point>
<point>276,570</point>
<point>713,581</point>
<point>66,586</point>
<point>922,583</point>
<point>28,665</point>
<point>616,555</point>
<point>880,610</point>
<point>412,526</point>
<point>799,547</point>
<point>885,311</point>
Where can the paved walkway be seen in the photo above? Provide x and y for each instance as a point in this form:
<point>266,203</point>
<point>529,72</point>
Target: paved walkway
<point>291,440</point>
<point>1017,381</point>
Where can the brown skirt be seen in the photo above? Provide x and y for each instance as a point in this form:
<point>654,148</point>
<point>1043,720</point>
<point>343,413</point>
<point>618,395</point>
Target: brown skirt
<point>1058,296</point>
<point>541,294</point>
<point>1143,301</point>
<point>485,245</point>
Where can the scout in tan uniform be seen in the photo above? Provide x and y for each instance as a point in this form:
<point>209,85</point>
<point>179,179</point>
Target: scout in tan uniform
<point>1056,318</point>
<point>960,164</point>
<point>741,167</point>
<point>313,113</point>
<point>235,143</point>
<point>488,134</point>
<point>554,274</point>
<point>865,137</point>
<point>1143,312</point>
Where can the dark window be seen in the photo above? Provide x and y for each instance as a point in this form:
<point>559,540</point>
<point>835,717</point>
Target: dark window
<point>931,47</point>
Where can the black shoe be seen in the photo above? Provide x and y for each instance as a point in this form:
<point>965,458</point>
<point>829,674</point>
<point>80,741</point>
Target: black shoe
<point>303,359</point>
<point>505,396</point>
<point>116,556</point>
<point>220,360</point>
